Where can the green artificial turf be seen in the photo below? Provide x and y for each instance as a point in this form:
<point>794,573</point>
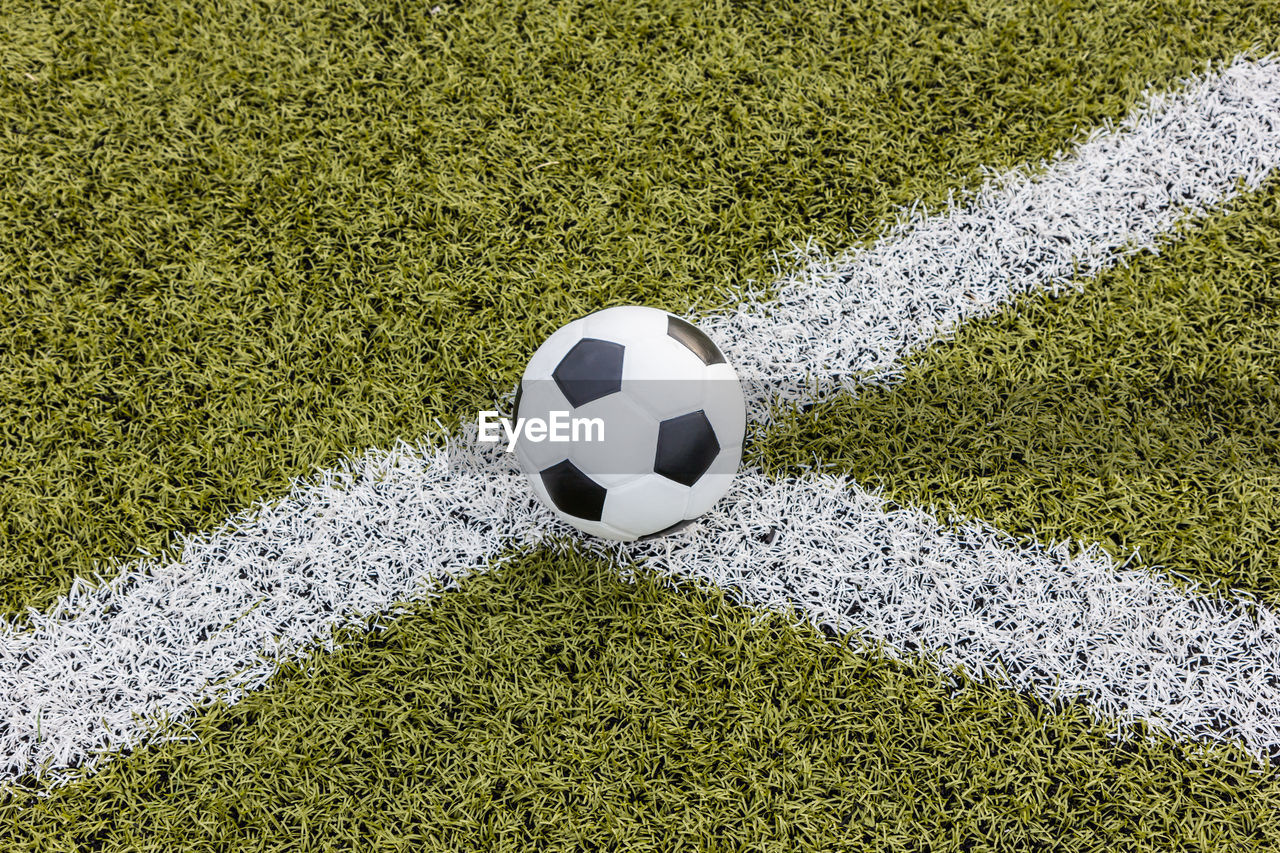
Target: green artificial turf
<point>552,706</point>
<point>1141,413</point>
<point>237,244</point>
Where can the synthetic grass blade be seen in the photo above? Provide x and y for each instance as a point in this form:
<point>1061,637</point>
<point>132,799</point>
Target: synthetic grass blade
<point>106,665</point>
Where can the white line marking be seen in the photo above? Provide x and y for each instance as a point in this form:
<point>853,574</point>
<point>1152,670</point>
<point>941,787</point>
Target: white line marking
<point>98,670</point>
<point>834,320</point>
<point>1062,625</point>
<point>102,669</point>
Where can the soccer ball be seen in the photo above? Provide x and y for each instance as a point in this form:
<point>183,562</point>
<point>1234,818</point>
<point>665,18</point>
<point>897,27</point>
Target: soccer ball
<point>633,423</point>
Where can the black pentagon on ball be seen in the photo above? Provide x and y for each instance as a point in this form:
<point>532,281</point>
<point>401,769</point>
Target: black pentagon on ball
<point>687,446</point>
<point>589,371</point>
<point>573,492</point>
<point>695,339</point>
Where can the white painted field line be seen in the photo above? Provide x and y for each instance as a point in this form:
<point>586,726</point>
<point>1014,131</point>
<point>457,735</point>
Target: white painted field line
<point>834,319</point>
<point>99,671</point>
<point>1125,640</point>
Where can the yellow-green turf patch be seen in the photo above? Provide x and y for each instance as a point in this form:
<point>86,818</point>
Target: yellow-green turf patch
<point>1140,413</point>
<point>236,244</point>
<point>552,706</point>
